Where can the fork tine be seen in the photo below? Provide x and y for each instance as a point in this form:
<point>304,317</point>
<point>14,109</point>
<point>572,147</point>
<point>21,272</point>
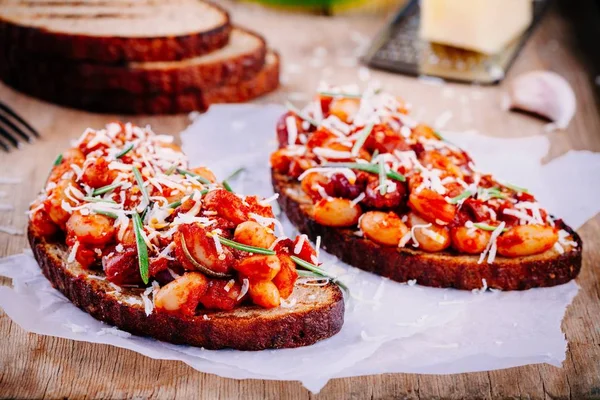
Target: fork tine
<point>16,116</point>
<point>4,146</point>
<point>4,133</point>
<point>15,128</point>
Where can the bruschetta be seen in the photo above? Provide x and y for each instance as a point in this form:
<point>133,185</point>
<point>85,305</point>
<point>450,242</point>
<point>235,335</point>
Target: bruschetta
<point>392,196</point>
<point>133,235</point>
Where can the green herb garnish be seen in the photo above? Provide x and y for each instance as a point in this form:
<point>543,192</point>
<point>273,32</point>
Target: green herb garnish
<point>462,196</point>
<point>142,248</point>
<point>140,181</point>
<point>364,134</point>
<point>438,135</point>
<point>98,200</point>
<point>107,214</point>
<point>235,173</point>
<point>199,266</point>
<point>58,160</point>
<point>292,108</point>
<point>106,189</point>
<point>199,178</point>
<point>320,272</point>
<point>227,186</point>
<point>171,169</point>
<point>516,188</point>
<point>244,247</point>
<point>174,204</point>
<point>490,193</point>
<point>374,169</point>
<point>124,151</point>
<point>486,227</point>
<point>347,95</point>
<point>382,177</point>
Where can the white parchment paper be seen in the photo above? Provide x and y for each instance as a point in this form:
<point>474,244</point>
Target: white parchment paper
<point>389,327</point>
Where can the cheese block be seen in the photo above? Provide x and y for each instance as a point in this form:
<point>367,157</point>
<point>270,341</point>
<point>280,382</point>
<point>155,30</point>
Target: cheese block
<point>485,26</point>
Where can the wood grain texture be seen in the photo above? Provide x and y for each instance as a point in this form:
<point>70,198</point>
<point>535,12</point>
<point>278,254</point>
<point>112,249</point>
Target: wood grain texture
<point>33,366</point>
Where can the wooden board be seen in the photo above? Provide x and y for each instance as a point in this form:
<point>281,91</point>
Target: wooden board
<point>314,48</point>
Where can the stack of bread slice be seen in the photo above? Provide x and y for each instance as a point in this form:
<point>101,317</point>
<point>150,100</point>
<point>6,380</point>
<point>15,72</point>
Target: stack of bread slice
<point>132,56</point>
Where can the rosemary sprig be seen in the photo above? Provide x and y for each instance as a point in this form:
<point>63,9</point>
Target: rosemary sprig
<point>140,181</point>
<point>462,196</point>
<point>490,193</point>
<point>124,151</point>
<point>174,204</point>
<point>199,178</point>
<point>516,188</point>
<point>292,108</point>
<point>177,203</point>
<point>106,189</point>
<point>142,248</point>
<point>98,200</point>
<point>320,272</point>
<point>235,173</point>
<point>199,266</point>
<point>374,169</point>
<point>58,160</point>
<point>171,169</point>
<point>486,227</point>
<point>362,137</point>
<point>382,177</point>
<point>106,213</point>
<point>347,95</point>
<point>244,247</point>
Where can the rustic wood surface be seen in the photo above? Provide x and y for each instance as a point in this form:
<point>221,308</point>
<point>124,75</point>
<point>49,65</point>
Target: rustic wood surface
<point>314,48</point>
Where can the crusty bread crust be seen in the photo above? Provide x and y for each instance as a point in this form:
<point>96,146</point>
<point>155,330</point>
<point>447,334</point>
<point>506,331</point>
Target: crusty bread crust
<point>120,102</point>
<point>153,77</point>
<point>114,49</point>
<point>246,328</point>
<point>444,269</point>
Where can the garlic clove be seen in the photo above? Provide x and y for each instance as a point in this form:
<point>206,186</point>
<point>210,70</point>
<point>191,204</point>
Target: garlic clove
<point>544,93</point>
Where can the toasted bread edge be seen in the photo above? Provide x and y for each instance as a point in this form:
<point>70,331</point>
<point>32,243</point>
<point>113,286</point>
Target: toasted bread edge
<point>245,328</point>
<point>115,49</point>
<point>444,269</point>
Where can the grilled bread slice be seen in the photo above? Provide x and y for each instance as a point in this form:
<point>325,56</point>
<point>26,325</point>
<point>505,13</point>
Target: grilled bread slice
<point>442,269</point>
<point>118,101</point>
<point>240,59</point>
<point>316,314</point>
<point>114,31</point>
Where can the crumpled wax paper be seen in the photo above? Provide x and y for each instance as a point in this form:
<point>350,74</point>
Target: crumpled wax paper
<point>389,326</point>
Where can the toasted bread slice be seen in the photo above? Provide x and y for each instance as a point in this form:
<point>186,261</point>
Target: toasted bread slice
<point>114,32</point>
<point>443,269</point>
<point>117,101</point>
<point>240,59</point>
<point>318,312</point>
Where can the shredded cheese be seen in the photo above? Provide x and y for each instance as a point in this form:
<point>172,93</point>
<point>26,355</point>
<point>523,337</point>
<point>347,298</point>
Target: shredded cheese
<point>491,246</point>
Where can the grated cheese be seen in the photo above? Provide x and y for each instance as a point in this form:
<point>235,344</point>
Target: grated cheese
<point>491,245</point>
<point>292,129</point>
<point>245,287</point>
<point>73,252</point>
<point>148,304</point>
<point>298,247</point>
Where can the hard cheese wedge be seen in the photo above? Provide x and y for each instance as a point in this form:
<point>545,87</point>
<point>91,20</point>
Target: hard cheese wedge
<point>485,26</point>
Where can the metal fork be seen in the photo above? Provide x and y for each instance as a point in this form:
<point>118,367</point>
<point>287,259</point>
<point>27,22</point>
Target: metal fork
<point>14,129</point>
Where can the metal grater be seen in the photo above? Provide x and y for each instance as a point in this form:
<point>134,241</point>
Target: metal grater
<point>398,48</point>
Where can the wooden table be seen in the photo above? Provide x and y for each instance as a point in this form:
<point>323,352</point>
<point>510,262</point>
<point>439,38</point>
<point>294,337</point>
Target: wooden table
<point>315,48</point>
